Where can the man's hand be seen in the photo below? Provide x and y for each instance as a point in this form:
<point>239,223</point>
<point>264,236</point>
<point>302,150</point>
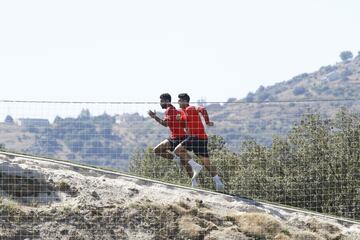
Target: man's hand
<point>210,124</point>
<point>152,114</point>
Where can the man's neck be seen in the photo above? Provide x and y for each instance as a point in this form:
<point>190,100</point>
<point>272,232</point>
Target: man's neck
<point>185,106</point>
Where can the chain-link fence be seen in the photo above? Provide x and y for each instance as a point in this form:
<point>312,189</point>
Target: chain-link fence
<point>303,153</point>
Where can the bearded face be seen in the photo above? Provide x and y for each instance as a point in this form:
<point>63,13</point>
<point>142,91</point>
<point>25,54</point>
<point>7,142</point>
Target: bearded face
<point>163,103</point>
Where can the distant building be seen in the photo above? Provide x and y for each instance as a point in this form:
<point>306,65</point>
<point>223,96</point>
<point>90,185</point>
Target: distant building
<point>128,117</point>
<point>33,122</point>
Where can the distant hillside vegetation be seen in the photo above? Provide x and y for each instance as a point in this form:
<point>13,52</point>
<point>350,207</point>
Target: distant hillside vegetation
<point>274,109</point>
<point>111,141</point>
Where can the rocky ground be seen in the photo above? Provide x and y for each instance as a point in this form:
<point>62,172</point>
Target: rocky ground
<point>41,200</point>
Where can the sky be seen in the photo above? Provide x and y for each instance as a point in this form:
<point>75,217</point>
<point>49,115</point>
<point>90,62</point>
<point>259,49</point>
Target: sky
<point>132,51</point>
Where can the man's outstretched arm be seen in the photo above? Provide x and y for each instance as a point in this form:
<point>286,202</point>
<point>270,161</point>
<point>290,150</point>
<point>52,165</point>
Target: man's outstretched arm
<point>159,120</point>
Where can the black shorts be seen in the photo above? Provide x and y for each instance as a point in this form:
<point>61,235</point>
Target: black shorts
<point>175,142</point>
<point>197,145</point>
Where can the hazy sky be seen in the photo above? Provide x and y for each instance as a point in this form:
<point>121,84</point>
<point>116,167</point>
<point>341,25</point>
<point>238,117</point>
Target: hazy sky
<point>135,50</point>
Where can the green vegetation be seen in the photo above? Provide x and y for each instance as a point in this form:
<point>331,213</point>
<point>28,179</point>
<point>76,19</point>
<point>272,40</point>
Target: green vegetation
<point>312,162</point>
<point>102,141</point>
<point>89,139</point>
<point>315,166</point>
<point>299,90</point>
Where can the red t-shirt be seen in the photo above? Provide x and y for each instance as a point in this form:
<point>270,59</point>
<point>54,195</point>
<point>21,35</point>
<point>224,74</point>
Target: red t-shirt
<point>193,120</point>
<point>175,123</point>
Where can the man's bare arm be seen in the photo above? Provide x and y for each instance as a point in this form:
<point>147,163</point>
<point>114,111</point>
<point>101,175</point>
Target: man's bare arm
<point>159,120</point>
<point>205,115</point>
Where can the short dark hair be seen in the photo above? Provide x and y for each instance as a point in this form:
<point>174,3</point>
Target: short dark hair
<point>166,97</point>
<point>184,96</point>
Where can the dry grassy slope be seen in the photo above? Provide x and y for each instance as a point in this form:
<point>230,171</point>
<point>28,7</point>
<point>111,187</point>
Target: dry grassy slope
<point>52,201</point>
<point>14,137</point>
<point>240,119</point>
<point>140,134</point>
<point>274,109</point>
<point>17,139</point>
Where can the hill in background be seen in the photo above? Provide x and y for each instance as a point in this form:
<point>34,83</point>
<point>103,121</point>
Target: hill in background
<point>270,111</point>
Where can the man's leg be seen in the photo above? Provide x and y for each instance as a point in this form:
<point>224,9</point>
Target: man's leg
<point>162,150</point>
<point>184,157</point>
<point>208,166</point>
<point>219,185</point>
<point>192,168</point>
<point>203,154</point>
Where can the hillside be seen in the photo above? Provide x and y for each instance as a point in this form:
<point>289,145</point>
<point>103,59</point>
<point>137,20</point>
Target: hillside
<point>42,200</point>
<point>274,109</point>
<point>95,140</point>
<point>270,111</point>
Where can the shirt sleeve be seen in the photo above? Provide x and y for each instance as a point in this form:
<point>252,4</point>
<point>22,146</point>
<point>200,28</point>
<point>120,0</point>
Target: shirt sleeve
<point>205,114</point>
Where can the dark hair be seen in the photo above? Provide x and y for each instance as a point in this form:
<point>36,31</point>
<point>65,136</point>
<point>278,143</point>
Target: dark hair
<point>166,97</point>
<point>184,96</point>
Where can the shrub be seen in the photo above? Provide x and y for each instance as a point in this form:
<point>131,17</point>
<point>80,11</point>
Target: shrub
<point>346,55</point>
<point>299,91</point>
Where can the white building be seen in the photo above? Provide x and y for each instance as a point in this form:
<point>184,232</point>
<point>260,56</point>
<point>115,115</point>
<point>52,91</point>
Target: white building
<point>33,122</point>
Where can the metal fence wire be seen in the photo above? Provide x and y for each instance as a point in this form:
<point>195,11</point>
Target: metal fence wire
<point>299,153</point>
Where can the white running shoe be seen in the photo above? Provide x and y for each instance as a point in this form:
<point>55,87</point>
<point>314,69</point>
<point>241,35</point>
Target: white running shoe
<point>196,170</point>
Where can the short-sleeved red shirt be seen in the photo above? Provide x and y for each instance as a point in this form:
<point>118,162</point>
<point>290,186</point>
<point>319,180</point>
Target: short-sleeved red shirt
<point>175,122</point>
<point>193,120</point>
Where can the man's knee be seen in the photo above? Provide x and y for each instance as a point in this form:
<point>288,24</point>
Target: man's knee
<point>178,150</point>
<point>157,150</point>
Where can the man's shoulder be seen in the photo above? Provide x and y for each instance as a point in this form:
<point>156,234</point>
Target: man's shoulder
<point>190,108</point>
<point>201,108</point>
<point>173,111</point>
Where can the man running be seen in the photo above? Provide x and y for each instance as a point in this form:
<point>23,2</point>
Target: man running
<point>197,140</point>
<point>173,120</point>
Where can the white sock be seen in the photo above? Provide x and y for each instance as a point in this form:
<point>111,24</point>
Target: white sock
<point>194,183</point>
<point>193,164</point>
